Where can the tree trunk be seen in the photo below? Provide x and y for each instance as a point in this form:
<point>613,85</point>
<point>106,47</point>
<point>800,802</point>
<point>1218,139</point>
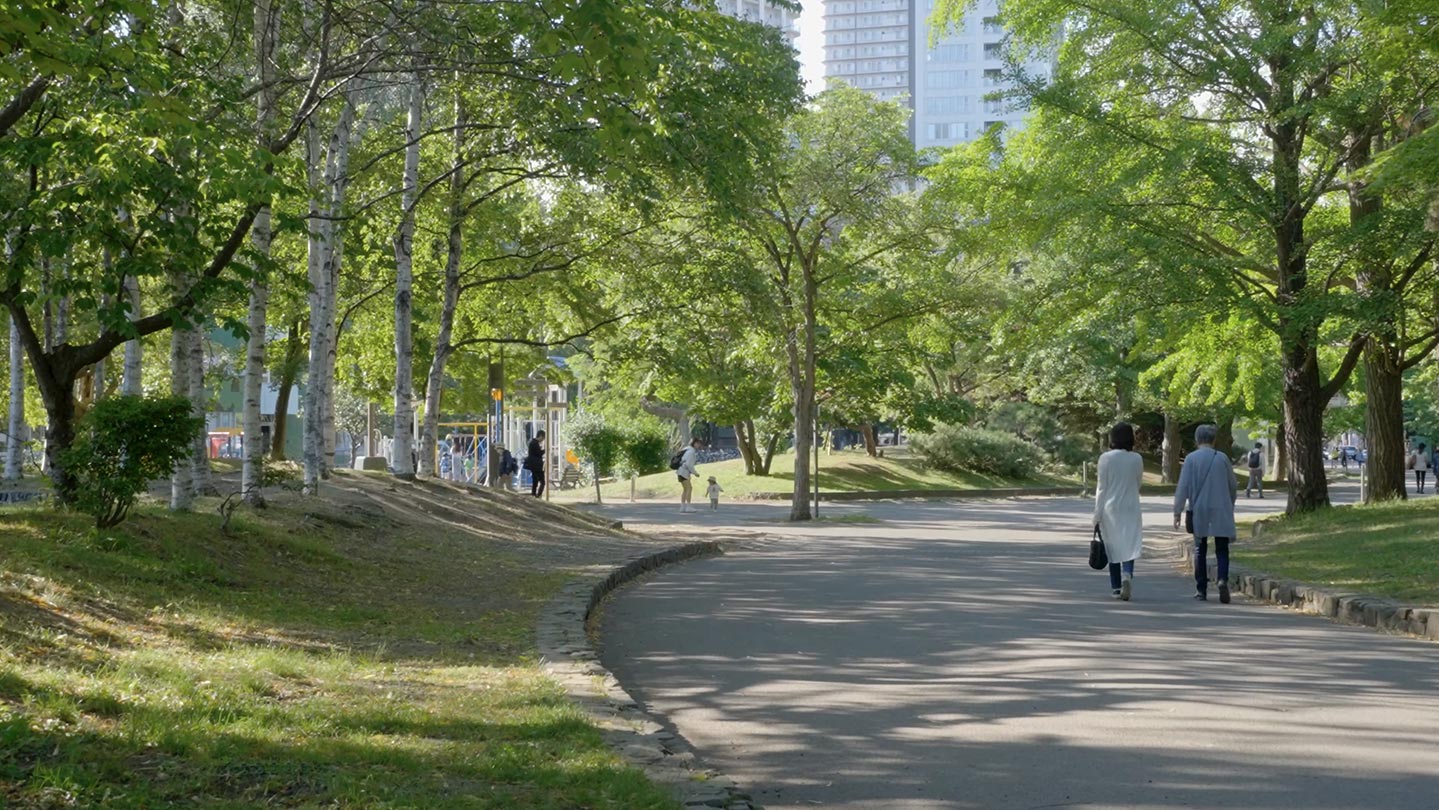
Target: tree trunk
<point>402,459</point>
<point>435,381</point>
<point>252,465</point>
<point>130,382</point>
<point>1170,450</point>
<point>1224,435</point>
<point>181,493</point>
<point>1383,356</point>
<point>871,445</point>
<point>279,434</point>
<point>1281,457</point>
<point>769,450</point>
<point>802,384</point>
<point>252,461</point>
<point>1384,421</point>
<point>746,448</point>
<point>14,450</point>
<point>201,480</point>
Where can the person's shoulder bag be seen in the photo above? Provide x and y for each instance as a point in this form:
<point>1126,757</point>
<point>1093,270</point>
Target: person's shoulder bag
<point>1198,488</point>
<point>1098,557</point>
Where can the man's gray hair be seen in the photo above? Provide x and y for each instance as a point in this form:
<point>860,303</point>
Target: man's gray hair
<point>1205,434</point>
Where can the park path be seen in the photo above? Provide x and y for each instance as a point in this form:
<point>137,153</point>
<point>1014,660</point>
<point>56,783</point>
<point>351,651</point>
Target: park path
<point>962,655</point>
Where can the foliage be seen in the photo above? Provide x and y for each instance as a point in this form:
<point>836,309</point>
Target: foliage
<point>645,449</point>
<point>996,452</point>
<point>1039,426</point>
<point>125,442</point>
<point>595,441</point>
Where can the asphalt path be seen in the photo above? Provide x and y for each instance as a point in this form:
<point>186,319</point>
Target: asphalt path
<point>963,655</point>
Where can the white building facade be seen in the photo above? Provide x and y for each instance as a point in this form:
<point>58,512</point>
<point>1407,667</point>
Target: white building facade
<point>882,47</point>
<point>762,11</point>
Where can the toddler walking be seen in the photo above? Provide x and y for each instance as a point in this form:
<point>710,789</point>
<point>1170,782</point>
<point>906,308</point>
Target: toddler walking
<point>713,492</point>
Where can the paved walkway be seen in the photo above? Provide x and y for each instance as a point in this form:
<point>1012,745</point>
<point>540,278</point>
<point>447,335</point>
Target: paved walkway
<point>962,655</point>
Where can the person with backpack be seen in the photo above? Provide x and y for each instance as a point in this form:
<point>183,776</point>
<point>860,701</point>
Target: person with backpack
<point>508,467</point>
<point>535,463</point>
<point>1419,463</point>
<point>1207,490</point>
<point>684,463</point>
<point>1255,459</point>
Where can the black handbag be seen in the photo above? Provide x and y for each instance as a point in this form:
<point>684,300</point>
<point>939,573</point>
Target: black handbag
<point>1098,557</point>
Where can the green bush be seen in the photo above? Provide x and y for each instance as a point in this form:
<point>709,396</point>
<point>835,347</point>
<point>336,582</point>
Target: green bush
<point>646,450</point>
<point>121,445</point>
<point>994,452</point>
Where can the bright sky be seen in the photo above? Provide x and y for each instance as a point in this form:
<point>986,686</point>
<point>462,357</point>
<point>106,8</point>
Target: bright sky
<point>811,45</point>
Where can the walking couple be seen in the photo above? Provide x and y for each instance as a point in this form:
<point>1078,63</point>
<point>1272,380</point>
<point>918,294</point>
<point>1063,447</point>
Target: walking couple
<point>1206,486</point>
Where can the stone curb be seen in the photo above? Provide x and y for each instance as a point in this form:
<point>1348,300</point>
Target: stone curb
<point>567,655</point>
<point>910,494</point>
<point>1345,607</point>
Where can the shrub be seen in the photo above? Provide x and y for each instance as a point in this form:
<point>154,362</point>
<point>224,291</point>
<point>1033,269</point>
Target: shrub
<point>994,452</point>
<point>646,450</point>
<point>121,445</point>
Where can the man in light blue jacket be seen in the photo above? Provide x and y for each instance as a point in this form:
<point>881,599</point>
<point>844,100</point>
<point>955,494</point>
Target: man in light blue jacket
<point>1207,487</point>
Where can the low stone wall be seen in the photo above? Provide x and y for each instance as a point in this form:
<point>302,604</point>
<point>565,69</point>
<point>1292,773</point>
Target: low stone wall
<point>568,656</point>
<point>1385,615</point>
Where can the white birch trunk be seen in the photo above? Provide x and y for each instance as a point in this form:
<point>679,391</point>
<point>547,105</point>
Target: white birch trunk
<point>435,382</point>
<point>181,494</point>
<point>252,466</point>
<point>134,350</point>
<point>201,480</point>
<point>14,451</point>
<point>401,452</point>
<point>311,397</point>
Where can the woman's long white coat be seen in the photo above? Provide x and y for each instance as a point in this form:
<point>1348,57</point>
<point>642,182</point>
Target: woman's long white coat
<point>1116,504</point>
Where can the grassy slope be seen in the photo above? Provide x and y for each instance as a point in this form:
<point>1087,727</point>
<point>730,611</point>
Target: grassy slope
<point>1385,549</point>
<point>845,471</point>
<point>372,649</point>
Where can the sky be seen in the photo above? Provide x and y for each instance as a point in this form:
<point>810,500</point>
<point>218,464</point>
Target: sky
<point>811,45</point>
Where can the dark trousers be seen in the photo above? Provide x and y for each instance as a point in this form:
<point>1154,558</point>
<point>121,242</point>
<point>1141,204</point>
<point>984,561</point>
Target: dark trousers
<point>537,482</point>
<point>1201,561</point>
<point>1419,480</point>
<point>1115,579</point>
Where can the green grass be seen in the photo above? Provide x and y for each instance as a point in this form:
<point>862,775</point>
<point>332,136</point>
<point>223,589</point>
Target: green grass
<point>1386,549</point>
<point>845,471</point>
<point>307,660</point>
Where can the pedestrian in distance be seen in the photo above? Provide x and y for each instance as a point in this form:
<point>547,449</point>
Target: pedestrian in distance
<point>1255,459</point>
<point>1419,463</point>
<point>713,492</point>
<point>1208,491</point>
<point>508,467</point>
<point>535,463</point>
<point>686,471</point>
<point>1117,513</point>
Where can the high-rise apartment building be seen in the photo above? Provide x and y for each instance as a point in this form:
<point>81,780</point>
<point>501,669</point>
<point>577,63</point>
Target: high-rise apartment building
<point>763,11</point>
<point>882,46</point>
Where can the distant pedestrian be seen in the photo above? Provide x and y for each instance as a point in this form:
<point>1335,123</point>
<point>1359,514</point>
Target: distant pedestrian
<point>1207,488</point>
<point>1116,508</point>
<point>1255,459</point>
<point>446,462</point>
<point>535,463</point>
<point>713,492</point>
<point>1419,463</point>
<point>689,461</point>
<point>508,467</point>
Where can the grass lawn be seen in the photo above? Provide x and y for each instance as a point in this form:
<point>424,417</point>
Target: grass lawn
<point>1387,549</point>
<point>845,471</point>
<point>338,655</point>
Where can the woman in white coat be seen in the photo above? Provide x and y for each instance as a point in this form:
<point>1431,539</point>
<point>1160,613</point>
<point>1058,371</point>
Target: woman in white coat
<point>1116,508</point>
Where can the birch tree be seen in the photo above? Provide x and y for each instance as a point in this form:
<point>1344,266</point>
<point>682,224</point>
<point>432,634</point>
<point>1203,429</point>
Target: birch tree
<point>401,458</point>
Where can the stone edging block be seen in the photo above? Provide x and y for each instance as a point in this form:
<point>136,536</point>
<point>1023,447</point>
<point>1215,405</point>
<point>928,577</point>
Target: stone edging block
<point>567,655</point>
<point>1384,615</point>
